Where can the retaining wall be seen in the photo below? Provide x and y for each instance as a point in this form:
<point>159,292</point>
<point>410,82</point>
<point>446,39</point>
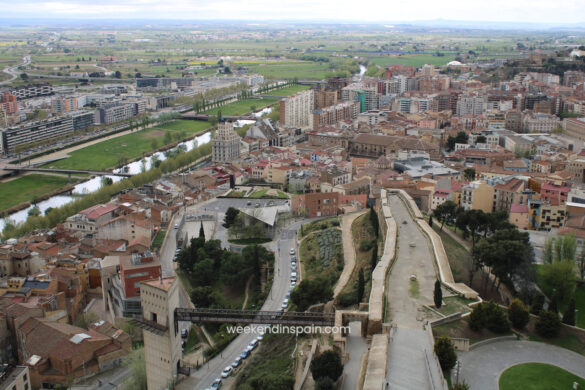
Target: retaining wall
<point>376,303</point>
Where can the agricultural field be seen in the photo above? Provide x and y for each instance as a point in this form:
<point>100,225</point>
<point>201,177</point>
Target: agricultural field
<point>411,60</point>
<point>107,154</point>
<point>27,188</point>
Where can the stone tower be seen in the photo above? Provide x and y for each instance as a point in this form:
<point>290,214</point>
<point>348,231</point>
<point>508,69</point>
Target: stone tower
<point>162,341</point>
<point>225,144</point>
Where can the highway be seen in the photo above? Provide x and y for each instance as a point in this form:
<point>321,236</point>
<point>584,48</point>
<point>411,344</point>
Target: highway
<point>13,70</point>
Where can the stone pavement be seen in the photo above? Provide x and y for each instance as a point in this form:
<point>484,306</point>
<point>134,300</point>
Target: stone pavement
<point>356,346</point>
<point>482,367</point>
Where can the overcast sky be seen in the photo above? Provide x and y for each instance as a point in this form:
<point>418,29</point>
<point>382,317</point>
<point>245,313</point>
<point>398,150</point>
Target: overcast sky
<point>535,11</point>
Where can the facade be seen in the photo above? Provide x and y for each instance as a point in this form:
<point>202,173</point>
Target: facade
<point>335,114</point>
<point>539,123</point>
<point>8,103</point>
<point>225,144</point>
<point>367,97</point>
<point>162,344</point>
<point>296,110</point>
<point>114,112</point>
<point>575,127</point>
<point>471,105</point>
<point>82,120</point>
<point>63,105</point>
<point>32,133</point>
<point>519,216</point>
<point>32,90</point>
<point>477,195</point>
<point>325,98</point>
<point>14,378</point>
<point>543,216</point>
<point>322,204</point>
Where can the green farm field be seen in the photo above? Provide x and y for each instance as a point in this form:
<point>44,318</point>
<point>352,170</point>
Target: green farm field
<point>106,154</point>
<point>27,188</point>
<point>412,60</point>
<point>288,91</point>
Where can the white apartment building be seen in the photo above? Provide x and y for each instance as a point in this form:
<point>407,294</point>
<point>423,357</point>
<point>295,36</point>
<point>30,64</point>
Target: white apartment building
<point>539,122</point>
<point>471,105</point>
<point>225,145</point>
<point>297,110</point>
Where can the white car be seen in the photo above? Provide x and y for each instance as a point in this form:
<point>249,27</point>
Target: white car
<point>292,251</point>
<point>226,372</point>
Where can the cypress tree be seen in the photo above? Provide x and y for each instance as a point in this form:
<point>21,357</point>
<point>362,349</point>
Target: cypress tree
<point>201,231</point>
<point>361,284</point>
<point>569,315</point>
<point>438,295</point>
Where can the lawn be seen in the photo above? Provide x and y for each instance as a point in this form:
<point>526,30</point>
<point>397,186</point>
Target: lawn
<point>416,60</point>
<point>107,154</point>
<point>262,194</point>
<point>288,70</point>
<point>453,305</point>
<point>459,258</point>
<point>242,107</point>
<point>288,91</point>
<point>27,188</point>
<point>538,376</point>
<point>158,239</point>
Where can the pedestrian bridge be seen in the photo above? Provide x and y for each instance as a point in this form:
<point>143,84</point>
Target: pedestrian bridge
<point>201,315</point>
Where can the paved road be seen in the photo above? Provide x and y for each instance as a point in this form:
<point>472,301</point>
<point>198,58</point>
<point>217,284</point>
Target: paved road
<point>285,240</point>
<point>482,367</point>
<point>13,70</point>
<point>410,363</point>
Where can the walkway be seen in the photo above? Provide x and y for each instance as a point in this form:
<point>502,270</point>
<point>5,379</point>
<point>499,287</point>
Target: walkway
<point>356,347</point>
<point>408,367</point>
<point>482,367</point>
<point>348,251</point>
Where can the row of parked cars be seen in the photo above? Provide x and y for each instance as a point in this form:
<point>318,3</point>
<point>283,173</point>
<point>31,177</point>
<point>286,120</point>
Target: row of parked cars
<point>236,363</point>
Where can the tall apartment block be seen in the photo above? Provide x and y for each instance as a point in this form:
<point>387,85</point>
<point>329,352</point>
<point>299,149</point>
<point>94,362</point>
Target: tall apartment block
<point>296,110</point>
<point>162,340</point>
<point>225,145</point>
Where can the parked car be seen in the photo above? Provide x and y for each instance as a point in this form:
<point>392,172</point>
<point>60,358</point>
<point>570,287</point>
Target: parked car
<point>253,344</point>
<point>184,333</point>
<point>216,384</point>
<point>292,251</point>
<point>226,372</point>
<point>237,362</point>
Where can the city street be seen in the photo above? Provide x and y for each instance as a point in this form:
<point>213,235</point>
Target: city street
<point>284,241</point>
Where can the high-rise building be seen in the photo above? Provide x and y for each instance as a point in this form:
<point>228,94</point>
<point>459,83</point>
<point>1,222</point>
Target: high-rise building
<point>62,105</point>
<point>474,105</point>
<point>225,144</point>
<point>296,110</point>
<point>325,98</point>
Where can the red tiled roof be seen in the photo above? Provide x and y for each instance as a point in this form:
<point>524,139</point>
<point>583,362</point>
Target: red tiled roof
<point>99,210</point>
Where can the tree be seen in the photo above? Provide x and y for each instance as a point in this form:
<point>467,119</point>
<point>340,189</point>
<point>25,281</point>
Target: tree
<point>445,212</point>
<point>34,212</point>
<point>202,296</point>
<point>118,74</point>
<point>374,259</point>
<point>431,221</point>
<point>85,319</point>
<point>107,181</point>
<point>445,351</point>
<point>469,174</point>
<point>481,139</point>
<point>137,378</point>
<point>490,316</point>
<point>554,302</point>
<point>201,231</point>
<point>361,284</point>
<point>311,291</point>
<point>518,314</point>
<point>548,324</point>
<point>537,304</point>
<point>569,314</point>
<point>438,294</point>
<point>565,247</point>
<point>167,138</point>
<point>203,272</point>
<point>327,365</point>
<point>559,275</point>
<point>324,383</point>
<point>24,76</point>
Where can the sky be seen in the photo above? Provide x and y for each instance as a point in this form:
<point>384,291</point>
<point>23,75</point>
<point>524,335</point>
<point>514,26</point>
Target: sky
<point>548,12</point>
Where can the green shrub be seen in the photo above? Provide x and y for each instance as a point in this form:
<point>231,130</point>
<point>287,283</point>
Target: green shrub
<point>518,314</point>
<point>548,324</point>
<point>445,351</point>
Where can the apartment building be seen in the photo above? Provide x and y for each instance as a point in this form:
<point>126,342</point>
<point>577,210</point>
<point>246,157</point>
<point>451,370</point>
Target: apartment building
<point>539,123</point>
<point>31,133</point>
<point>8,103</point>
<point>114,112</point>
<point>477,195</point>
<point>544,216</point>
<point>471,105</point>
<point>63,105</point>
<point>335,114</point>
<point>225,145</point>
<point>325,98</point>
<point>32,90</point>
<point>575,127</point>
<point>296,110</point>
<point>14,378</point>
<point>359,92</point>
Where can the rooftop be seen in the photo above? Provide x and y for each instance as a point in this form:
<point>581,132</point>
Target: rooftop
<point>164,284</point>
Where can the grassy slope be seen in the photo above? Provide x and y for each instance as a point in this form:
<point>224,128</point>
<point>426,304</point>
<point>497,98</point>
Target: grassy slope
<point>535,376</point>
<point>106,154</point>
<point>288,91</point>
<point>26,188</point>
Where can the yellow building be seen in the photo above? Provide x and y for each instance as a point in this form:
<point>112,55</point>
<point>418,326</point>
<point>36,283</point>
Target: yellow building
<point>477,195</point>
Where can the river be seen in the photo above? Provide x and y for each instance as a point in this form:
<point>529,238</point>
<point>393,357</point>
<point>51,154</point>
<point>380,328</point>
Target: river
<point>135,167</point>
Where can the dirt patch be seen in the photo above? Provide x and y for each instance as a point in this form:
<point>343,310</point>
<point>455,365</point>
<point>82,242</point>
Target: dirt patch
<point>155,134</point>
